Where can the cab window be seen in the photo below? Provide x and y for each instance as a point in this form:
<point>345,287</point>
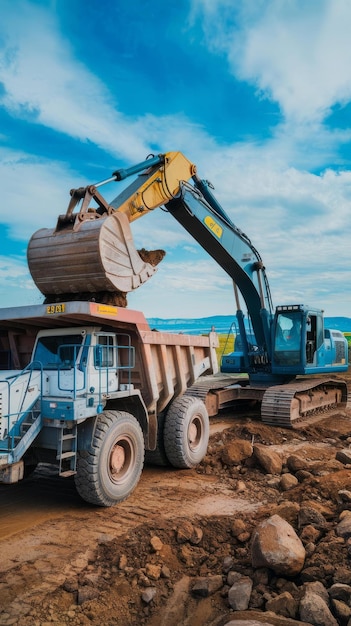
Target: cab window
<point>104,351</point>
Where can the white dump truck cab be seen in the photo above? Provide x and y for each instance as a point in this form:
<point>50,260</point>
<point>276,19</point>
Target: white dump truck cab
<point>81,368</point>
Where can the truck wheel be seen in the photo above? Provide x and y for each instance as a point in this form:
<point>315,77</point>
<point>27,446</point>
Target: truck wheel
<point>186,432</point>
<point>110,469</point>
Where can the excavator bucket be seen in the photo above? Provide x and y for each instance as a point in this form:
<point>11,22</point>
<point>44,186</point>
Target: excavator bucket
<point>96,258</point>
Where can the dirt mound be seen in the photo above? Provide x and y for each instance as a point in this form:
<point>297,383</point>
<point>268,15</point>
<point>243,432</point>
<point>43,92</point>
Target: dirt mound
<point>170,553</point>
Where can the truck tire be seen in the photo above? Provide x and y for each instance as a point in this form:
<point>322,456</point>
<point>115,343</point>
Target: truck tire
<point>110,469</point>
<point>186,432</point>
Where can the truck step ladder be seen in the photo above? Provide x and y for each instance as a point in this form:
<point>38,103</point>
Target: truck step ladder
<point>67,451</point>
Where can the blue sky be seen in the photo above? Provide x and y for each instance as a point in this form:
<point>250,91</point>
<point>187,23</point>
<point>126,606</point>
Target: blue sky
<point>257,93</point>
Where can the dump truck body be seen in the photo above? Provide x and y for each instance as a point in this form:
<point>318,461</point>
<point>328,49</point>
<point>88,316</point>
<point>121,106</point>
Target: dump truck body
<point>72,373</point>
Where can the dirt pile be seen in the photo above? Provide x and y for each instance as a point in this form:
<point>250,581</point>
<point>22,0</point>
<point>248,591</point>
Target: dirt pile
<point>179,551</point>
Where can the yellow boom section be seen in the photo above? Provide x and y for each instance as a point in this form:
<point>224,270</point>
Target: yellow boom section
<point>155,186</point>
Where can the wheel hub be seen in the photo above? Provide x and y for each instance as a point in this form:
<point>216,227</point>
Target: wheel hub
<point>194,433</point>
<point>117,460</point>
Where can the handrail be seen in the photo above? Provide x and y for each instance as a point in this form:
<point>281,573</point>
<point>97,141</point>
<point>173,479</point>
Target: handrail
<point>11,431</point>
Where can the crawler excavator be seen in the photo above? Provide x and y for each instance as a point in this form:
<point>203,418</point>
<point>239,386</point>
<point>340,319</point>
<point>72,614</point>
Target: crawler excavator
<point>91,254</point>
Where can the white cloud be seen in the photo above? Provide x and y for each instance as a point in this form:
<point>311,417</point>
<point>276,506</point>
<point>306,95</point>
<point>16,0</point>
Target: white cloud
<point>182,290</point>
<point>34,192</point>
<point>295,53</point>
<point>44,83</point>
<point>16,285</point>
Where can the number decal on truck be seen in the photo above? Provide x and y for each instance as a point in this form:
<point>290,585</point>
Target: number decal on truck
<point>55,308</point>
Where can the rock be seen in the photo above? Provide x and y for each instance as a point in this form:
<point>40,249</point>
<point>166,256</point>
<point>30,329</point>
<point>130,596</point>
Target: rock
<point>343,528</point>
<point>87,593</point>
<point>156,544</point>
<point>184,531</point>
<point>314,610</point>
<point>236,451</point>
<point>153,571</point>
<point>239,593</point>
<point>310,548</point>
<point>308,515</point>
<point>302,475</point>
<point>310,534</point>
<point>342,575</point>
<point>341,611</point>
<point>148,594</point>
<point>340,591</point>
<point>276,545</point>
<point>268,459</point>
<point>274,483</point>
<point>345,495</point>
<point>344,514</point>
<point>288,481</point>
<point>288,511</point>
<point>197,536</point>
<point>188,532</point>
<point>244,537</point>
<point>295,463</point>
<point>323,468</point>
<point>232,577</point>
<point>123,562</point>
<point>240,486</point>
<point>207,586</point>
<point>187,555</point>
<point>261,576</point>
<point>344,456</point>
<point>70,585</point>
<point>228,563</point>
<point>284,604</point>
<point>312,573</point>
<point>318,588</point>
<point>238,526</point>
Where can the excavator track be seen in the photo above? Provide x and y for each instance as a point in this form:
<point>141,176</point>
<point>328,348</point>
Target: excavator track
<point>302,402</point>
<point>291,405</point>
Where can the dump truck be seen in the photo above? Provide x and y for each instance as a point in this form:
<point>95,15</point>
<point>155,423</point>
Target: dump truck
<point>91,388</point>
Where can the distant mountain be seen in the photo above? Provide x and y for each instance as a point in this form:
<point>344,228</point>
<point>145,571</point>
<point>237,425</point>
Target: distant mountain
<point>222,324</point>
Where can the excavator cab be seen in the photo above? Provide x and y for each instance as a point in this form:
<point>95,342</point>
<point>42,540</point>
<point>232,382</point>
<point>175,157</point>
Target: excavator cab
<point>302,346</point>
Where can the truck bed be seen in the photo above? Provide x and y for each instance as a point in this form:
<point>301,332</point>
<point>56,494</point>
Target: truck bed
<point>166,364</point>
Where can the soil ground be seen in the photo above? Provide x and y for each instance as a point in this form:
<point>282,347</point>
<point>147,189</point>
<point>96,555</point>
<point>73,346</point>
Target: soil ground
<point>65,562</point>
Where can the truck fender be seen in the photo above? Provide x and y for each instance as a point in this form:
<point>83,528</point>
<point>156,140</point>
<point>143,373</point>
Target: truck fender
<point>131,403</point>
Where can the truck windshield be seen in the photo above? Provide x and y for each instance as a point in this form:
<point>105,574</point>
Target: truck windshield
<point>58,351</point>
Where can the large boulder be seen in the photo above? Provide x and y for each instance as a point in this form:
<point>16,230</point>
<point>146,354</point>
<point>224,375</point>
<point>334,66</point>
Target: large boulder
<point>276,545</point>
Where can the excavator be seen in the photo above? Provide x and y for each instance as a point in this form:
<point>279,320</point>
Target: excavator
<point>285,352</point>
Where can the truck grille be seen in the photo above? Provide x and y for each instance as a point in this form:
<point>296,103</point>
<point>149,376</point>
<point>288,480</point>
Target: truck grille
<point>340,351</point>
